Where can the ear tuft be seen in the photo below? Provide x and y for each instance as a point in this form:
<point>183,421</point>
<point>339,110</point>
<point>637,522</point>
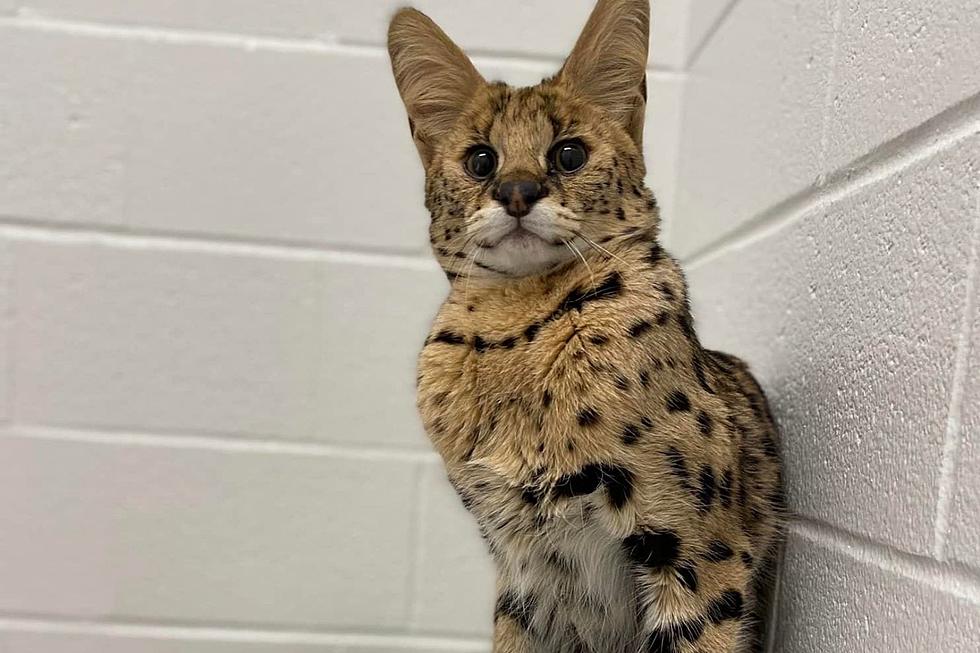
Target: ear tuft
<point>435,79</point>
<point>608,64</point>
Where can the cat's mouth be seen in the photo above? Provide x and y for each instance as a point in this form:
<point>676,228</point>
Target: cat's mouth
<point>518,247</point>
<point>518,236</point>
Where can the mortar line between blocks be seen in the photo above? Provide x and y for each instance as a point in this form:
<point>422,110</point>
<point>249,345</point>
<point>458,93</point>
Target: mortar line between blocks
<point>939,133</point>
<point>218,443</point>
<point>710,35</point>
<point>233,634</point>
<point>957,581</point>
<point>831,86</point>
<point>954,425</point>
<point>111,235</point>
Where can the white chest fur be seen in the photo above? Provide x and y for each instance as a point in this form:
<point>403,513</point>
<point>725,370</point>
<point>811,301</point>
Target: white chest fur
<point>570,571</point>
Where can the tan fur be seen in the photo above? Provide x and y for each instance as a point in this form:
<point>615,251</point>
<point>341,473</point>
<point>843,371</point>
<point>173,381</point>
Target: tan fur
<point>626,480</point>
<point>434,77</point>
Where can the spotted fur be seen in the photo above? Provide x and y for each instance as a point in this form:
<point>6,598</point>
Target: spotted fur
<point>626,479</point>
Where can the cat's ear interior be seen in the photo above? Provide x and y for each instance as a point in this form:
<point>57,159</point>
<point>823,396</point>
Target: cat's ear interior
<point>608,64</point>
<point>435,79</point>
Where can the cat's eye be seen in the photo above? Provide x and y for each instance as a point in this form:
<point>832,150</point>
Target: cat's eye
<point>481,162</point>
<point>569,156</point>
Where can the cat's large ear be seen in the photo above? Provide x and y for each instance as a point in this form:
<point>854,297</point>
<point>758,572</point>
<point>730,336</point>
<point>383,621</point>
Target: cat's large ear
<point>435,79</point>
<point>608,64</point>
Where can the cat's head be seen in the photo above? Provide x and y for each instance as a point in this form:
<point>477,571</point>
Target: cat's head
<point>519,181</point>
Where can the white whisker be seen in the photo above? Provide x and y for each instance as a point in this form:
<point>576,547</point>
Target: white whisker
<point>587,266</point>
<point>600,248</point>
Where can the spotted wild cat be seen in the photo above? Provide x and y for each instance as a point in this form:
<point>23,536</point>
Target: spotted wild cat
<point>626,480</point>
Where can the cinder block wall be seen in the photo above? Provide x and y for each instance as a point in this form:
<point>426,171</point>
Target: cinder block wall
<point>214,279</point>
<point>828,209</point>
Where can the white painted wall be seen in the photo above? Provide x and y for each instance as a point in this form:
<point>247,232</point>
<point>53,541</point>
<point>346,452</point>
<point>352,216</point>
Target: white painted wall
<point>214,281</point>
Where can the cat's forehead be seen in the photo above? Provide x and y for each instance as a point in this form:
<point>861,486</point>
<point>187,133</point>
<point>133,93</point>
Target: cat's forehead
<point>529,113</point>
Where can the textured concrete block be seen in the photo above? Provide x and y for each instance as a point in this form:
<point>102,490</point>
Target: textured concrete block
<point>376,318</point>
<point>851,316</point>
<point>964,522</point>
<point>6,336</point>
<point>455,578</point>
<point>831,601</point>
<point>148,339</point>
<point>899,63</point>
<point>304,146</point>
<point>198,138</point>
<point>203,535</point>
<point>478,26</point>
<point>63,119</point>
<point>753,113</point>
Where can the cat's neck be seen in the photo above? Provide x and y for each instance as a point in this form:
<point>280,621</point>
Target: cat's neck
<point>496,302</point>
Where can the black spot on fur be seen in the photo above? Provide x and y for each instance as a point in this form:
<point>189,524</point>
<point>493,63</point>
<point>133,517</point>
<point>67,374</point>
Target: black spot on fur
<point>546,399</point>
<point>480,345</point>
<point>508,343</point>
<point>617,480</point>
<point>678,402</point>
<point>620,213</point>
<point>653,549</point>
<point>726,607</point>
<point>521,610</point>
<point>678,465</point>
<point>663,319</point>
<point>668,639</point>
<point>718,551</point>
<point>531,332</point>
<point>449,338</point>
<point>588,417</point>
<point>622,382</point>
<point>656,254</point>
<point>531,495</point>
<point>769,447</point>
<point>706,493</point>
<point>581,483</point>
<point>599,339</point>
<point>610,288</point>
<point>619,483</point>
<point>631,434</point>
<point>645,378</point>
<point>640,328</point>
<point>704,424</point>
<point>725,489</point>
<point>688,576</point>
<point>747,559</point>
<point>686,325</point>
<point>698,366</point>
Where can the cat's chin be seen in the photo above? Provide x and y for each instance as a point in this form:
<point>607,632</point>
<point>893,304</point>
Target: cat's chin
<point>523,254</point>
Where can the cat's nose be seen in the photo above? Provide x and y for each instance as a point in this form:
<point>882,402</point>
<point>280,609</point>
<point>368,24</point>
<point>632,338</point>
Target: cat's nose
<point>519,196</point>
